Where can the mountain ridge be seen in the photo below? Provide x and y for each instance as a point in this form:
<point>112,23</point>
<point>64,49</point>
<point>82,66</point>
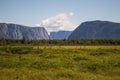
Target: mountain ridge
<point>60,35</point>
<point>97,30</point>
<point>16,31</point>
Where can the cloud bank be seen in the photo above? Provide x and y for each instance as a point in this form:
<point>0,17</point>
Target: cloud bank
<point>58,22</point>
<point>71,14</point>
<point>1,21</point>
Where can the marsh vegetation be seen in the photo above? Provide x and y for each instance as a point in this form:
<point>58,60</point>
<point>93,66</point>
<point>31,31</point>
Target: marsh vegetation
<point>60,63</point>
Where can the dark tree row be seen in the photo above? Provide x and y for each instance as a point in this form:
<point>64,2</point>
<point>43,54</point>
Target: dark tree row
<point>4,42</point>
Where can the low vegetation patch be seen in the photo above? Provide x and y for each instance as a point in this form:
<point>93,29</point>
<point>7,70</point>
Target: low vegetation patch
<point>59,63</point>
<point>80,58</point>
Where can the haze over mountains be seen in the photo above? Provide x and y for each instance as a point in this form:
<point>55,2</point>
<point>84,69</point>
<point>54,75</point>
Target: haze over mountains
<point>14,31</point>
<point>87,30</point>
<point>60,35</point>
<point>97,30</point>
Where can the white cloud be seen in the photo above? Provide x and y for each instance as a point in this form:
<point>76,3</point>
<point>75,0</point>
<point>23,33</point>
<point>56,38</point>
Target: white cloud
<point>71,13</point>
<point>1,21</point>
<point>58,22</point>
<point>37,25</point>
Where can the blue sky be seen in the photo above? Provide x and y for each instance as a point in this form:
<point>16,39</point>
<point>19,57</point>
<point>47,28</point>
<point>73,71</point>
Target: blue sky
<point>32,12</point>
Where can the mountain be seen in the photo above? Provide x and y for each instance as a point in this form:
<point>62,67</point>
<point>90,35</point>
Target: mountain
<point>60,35</point>
<point>15,31</point>
<point>97,30</point>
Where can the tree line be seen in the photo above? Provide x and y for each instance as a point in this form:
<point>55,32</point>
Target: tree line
<point>4,42</point>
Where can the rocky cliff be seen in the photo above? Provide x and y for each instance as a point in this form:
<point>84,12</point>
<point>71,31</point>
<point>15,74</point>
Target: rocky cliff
<point>14,31</point>
<point>97,30</point>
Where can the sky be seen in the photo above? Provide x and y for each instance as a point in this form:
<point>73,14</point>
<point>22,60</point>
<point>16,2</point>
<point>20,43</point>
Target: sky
<point>57,15</point>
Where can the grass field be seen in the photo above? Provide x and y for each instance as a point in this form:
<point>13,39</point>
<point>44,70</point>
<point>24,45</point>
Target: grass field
<point>60,63</point>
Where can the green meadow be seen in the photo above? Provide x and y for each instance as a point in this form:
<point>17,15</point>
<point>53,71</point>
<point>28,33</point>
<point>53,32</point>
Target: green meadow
<point>59,62</point>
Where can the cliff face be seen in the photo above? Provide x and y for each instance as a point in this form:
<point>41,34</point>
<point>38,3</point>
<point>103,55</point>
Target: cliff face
<point>97,30</point>
<point>60,35</point>
<point>14,31</point>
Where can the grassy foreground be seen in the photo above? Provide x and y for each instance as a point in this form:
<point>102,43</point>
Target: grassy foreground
<point>60,63</point>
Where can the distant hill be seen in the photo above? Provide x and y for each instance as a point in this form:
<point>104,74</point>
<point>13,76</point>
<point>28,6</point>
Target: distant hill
<point>60,35</point>
<point>15,31</point>
<point>97,30</point>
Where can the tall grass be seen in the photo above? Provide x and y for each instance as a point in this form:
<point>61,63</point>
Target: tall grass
<point>60,63</point>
